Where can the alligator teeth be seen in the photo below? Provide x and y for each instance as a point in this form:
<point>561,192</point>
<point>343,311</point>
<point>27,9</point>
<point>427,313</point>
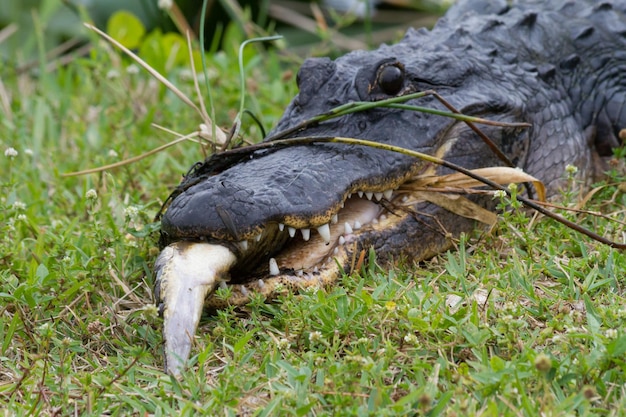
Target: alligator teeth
<point>292,231</point>
<point>342,240</point>
<point>334,219</point>
<point>382,218</point>
<point>261,284</point>
<point>347,228</point>
<point>388,194</point>
<point>258,237</point>
<point>343,204</point>
<point>315,270</point>
<point>243,245</point>
<point>378,196</point>
<point>369,195</point>
<point>335,251</point>
<point>374,221</point>
<point>357,225</point>
<point>274,267</point>
<point>281,226</point>
<point>306,234</point>
<point>324,231</point>
<point>360,193</point>
<point>223,285</point>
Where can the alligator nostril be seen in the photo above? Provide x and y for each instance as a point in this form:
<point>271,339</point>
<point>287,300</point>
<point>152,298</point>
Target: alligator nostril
<point>312,76</point>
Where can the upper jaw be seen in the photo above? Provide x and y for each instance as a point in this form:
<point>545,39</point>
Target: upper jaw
<point>301,187</point>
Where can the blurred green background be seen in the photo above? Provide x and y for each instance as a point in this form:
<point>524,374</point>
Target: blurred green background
<point>29,28</point>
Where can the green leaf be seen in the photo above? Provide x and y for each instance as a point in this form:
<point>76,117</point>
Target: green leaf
<point>42,272</point>
<point>126,28</point>
<point>617,347</point>
<point>593,320</point>
<point>441,404</point>
<point>176,48</point>
<point>153,52</point>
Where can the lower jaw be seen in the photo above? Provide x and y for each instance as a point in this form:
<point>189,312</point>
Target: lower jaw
<point>301,267</point>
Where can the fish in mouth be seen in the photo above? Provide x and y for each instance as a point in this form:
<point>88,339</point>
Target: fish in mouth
<point>273,219</point>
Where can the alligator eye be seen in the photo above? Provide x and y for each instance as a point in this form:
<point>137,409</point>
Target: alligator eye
<point>391,79</point>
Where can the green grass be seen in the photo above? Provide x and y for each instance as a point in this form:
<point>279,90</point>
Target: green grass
<point>528,320</point>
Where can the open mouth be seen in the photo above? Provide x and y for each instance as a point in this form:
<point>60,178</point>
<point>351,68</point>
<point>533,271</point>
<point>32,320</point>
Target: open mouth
<point>282,256</point>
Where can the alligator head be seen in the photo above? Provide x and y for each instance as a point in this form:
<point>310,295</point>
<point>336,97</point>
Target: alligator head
<point>299,216</point>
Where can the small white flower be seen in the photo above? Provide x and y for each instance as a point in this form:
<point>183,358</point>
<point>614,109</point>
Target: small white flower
<point>21,217</point>
<point>283,344</point>
<point>312,290</point>
<point>132,69</point>
<point>411,339</point>
<point>131,243</point>
<point>112,74</point>
<point>151,311</point>
<point>611,333</point>
<point>29,152</point>
<point>10,153</point>
<point>91,194</point>
<point>165,4</point>
<point>131,212</point>
<point>45,330</point>
<point>18,205</point>
<point>571,169</point>
<point>509,306</point>
<point>315,336</point>
<point>112,153</point>
<point>499,194</point>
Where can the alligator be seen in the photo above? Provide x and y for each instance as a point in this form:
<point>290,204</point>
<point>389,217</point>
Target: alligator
<point>273,219</point>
